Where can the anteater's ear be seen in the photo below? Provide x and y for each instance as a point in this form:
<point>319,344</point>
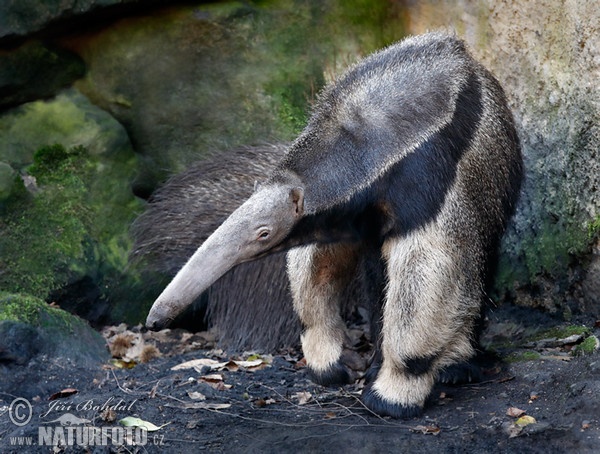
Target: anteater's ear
<point>297,199</point>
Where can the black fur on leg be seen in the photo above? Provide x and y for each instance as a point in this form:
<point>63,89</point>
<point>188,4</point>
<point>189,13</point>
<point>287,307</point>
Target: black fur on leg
<point>461,373</point>
<point>420,365</point>
<point>378,405</point>
<point>372,371</point>
<point>337,374</point>
<point>375,363</point>
<point>472,371</point>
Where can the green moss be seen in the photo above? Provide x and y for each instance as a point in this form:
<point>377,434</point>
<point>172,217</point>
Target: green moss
<point>587,347</point>
<point>554,248</point>
<point>34,312</point>
<point>74,226</point>
<point>561,332</point>
<point>44,241</point>
<point>54,331</point>
<point>47,160</point>
<point>20,308</point>
<point>594,228</point>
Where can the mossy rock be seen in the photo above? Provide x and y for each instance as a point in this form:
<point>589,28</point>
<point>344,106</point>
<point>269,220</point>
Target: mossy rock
<point>519,356</point>
<point>30,327</point>
<point>67,219</point>
<point>561,332</point>
<point>588,347</point>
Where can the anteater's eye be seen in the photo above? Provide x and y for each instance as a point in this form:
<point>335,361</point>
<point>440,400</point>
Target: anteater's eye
<point>264,234</point>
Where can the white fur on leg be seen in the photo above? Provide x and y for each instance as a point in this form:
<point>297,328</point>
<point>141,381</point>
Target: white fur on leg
<point>395,387</point>
<point>313,277</point>
<point>321,349</point>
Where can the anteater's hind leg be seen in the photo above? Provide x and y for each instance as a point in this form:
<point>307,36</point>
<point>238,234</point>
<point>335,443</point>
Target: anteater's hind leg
<point>428,318</point>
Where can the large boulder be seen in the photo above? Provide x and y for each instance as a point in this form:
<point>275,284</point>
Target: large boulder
<point>30,327</point>
<point>546,54</point>
<point>33,333</point>
<point>65,222</point>
<point>216,76</point>
<point>20,18</point>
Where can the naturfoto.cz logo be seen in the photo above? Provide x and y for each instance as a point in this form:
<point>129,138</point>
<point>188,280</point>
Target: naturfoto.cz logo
<point>71,430</point>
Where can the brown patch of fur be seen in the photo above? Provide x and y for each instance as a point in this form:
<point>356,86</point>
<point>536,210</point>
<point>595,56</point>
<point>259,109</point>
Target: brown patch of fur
<point>120,344</point>
<point>149,353</point>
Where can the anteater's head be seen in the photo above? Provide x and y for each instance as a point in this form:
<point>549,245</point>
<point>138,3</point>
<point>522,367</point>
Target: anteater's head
<point>255,229</point>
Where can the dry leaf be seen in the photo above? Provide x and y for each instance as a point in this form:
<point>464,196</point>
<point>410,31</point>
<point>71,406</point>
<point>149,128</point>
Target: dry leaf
<point>123,363</point>
<point>212,378</point>
<point>250,363</point>
<point>231,365</point>
<point>215,381</point>
<point>428,430</point>
<point>300,364</point>
<point>303,397</point>
<point>525,421</point>
<point>585,425</point>
<point>198,406</point>
<point>515,412</point>
<point>130,421</point>
<point>108,415</point>
<point>62,394</point>
<point>198,364</point>
<point>195,395</point>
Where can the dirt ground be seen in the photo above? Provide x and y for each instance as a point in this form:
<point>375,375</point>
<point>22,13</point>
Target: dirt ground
<point>539,398</point>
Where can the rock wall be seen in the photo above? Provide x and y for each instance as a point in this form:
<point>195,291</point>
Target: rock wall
<point>179,79</point>
<point>546,54</point>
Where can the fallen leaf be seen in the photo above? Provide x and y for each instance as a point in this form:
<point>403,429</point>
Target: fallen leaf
<point>330,415</point>
<point>515,412</point>
<point>198,364</point>
<point>131,421</point>
<point>525,421</point>
<point>428,430</point>
<point>213,378</point>
<point>198,406</point>
<point>260,402</point>
<point>62,394</point>
<point>195,395</point>
<point>231,365</point>
<point>250,363</point>
<point>108,415</point>
<point>123,363</point>
<point>303,397</point>
<point>215,381</point>
<point>300,364</point>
